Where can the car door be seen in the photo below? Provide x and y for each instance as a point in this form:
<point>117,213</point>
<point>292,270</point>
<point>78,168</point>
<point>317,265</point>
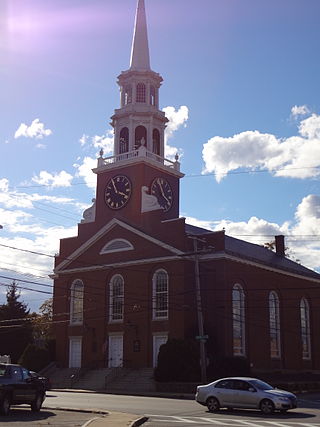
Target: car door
<point>246,395</point>
<point>19,391</point>
<point>224,392</point>
<point>30,384</point>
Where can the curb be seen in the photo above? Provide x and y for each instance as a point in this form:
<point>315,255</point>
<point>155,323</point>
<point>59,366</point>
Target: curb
<point>85,411</point>
<point>139,422</point>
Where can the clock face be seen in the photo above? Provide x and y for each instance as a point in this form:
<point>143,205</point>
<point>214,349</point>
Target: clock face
<point>117,192</point>
<point>161,188</point>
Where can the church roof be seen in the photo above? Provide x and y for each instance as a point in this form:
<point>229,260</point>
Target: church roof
<point>256,253</point>
<point>140,59</point>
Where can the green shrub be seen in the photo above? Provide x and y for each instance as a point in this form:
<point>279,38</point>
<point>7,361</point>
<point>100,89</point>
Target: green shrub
<point>35,358</point>
<point>178,360</point>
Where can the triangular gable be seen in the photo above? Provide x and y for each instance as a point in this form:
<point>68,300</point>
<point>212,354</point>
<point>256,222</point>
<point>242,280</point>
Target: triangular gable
<point>102,232</point>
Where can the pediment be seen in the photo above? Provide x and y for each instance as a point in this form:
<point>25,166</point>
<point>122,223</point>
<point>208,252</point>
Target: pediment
<point>116,242</point>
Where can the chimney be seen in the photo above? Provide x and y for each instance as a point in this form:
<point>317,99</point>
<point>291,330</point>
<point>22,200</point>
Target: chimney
<point>280,248</point>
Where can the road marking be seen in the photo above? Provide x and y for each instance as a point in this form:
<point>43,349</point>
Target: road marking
<point>228,422</point>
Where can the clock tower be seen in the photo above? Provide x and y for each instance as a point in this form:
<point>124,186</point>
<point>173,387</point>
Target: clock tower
<point>138,184</point>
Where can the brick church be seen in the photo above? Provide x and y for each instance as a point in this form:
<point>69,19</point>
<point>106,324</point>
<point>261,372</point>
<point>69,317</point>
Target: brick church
<point>137,274</point>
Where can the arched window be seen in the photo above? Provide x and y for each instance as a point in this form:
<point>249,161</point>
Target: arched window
<point>116,299</point>
<point>160,307</point>
<point>140,136</point>
<point>116,245</point>
<point>274,324</point>
<point>76,302</point>
<point>124,140</point>
<point>152,95</point>
<point>141,92</point>
<point>127,95</point>
<point>238,318</point>
<point>156,142</point>
<point>305,329</point>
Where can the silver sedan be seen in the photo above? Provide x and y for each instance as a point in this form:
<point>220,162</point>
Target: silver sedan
<point>247,393</point>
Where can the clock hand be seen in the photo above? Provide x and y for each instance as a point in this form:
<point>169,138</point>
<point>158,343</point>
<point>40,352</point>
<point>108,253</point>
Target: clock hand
<point>114,186</point>
<point>162,192</point>
<point>121,193</point>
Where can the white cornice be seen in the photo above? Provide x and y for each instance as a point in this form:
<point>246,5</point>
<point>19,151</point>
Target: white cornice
<point>206,257</point>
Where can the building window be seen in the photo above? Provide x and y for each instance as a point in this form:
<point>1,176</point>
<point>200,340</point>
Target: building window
<point>141,92</point>
<point>274,322</point>
<point>116,299</point>
<point>160,295</point>
<point>127,95</point>
<point>152,95</point>
<point>140,137</point>
<point>116,245</point>
<point>124,141</point>
<point>76,302</point>
<point>238,318</point>
<point>305,329</point>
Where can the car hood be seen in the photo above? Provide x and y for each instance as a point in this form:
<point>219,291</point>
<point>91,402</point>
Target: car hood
<point>278,392</point>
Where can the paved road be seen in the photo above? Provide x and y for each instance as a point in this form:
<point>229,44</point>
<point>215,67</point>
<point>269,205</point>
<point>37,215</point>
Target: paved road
<point>24,416</point>
<point>164,412</point>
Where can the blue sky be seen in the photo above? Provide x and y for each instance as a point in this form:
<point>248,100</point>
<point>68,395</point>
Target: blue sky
<point>241,91</point>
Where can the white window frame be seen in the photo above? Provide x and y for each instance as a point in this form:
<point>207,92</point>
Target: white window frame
<point>274,325</point>
<point>238,320</point>
<point>76,302</point>
<point>116,302</point>
<point>160,296</point>
<point>305,329</point>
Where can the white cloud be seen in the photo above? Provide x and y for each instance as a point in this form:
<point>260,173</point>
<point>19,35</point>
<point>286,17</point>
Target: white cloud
<point>104,142</point>
<point>294,157</point>
<point>299,110</point>
<point>177,118</point>
<point>4,184</point>
<point>84,170</point>
<point>35,130</point>
<point>302,235</point>
<point>61,179</point>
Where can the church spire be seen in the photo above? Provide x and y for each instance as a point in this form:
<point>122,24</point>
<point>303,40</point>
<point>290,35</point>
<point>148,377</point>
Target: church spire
<point>140,60</point>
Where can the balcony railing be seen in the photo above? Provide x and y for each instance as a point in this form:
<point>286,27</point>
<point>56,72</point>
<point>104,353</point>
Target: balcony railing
<point>141,152</point>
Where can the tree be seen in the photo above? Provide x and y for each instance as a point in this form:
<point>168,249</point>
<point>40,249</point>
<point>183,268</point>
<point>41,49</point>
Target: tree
<point>15,324</point>
<point>42,322</point>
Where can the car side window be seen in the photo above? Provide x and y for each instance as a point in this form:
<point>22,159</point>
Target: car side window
<point>25,374</point>
<point>16,373</point>
<point>224,384</point>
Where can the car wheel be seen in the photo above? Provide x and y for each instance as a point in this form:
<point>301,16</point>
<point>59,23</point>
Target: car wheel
<point>266,407</point>
<point>5,405</point>
<point>37,403</point>
<point>213,404</point>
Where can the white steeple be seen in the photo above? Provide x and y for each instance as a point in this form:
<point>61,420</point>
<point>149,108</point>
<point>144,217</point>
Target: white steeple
<point>140,60</point>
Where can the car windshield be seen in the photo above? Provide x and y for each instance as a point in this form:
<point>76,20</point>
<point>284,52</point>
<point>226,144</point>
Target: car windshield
<point>261,385</point>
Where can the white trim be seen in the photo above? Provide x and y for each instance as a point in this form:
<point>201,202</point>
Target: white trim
<point>105,250</point>
<point>111,224</point>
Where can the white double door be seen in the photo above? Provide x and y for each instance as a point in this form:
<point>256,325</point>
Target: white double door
<point>115,353</point>
<point>158,340</point>
<point>75,352</point>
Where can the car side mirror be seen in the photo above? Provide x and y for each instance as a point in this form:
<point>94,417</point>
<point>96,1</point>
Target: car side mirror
<point>252,389</point>
<point>29,380</point>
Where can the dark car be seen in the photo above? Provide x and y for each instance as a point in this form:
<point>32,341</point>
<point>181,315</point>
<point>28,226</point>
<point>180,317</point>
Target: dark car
<point>244,392</point>
<point>46,381</point>
<point>17,386</point>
